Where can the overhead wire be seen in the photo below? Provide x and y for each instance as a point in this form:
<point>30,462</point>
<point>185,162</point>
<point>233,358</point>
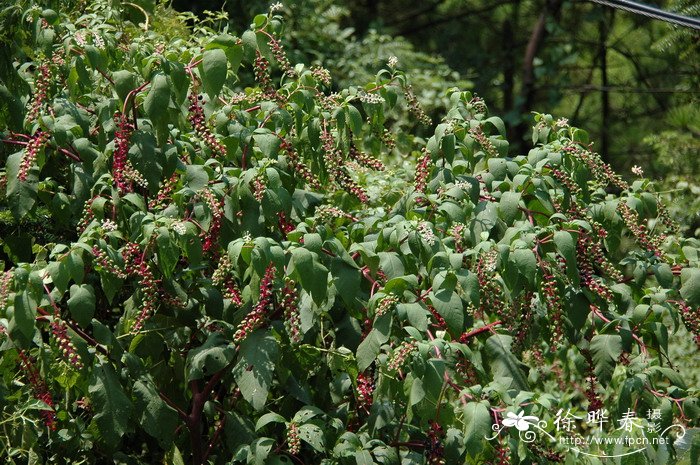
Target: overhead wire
<point>652,12</point>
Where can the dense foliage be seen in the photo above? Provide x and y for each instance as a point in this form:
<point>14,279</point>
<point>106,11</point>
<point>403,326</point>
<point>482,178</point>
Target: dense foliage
<point>206,260</point>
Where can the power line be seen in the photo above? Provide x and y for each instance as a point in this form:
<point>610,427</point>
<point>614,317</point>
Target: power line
<point>652,12</point>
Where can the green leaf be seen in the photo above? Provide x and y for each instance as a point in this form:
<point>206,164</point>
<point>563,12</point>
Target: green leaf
<point>312,435</point>
<point>508,206</point>
<point>82,303</point>
<point>567,248</point>
<point>209,358</point>
<point>268,144</point>
<point>157,101</point>
<point>21,195</point>
<point>268,418</point>
<point>25,314</point>
<point>477,427</point>
<point>368,350</point>
<point>154,415</point>
<point>354,119</point>
<point>449,306</point>
<point>690,290</point>
<point>526,262</point>
<point>124,82</point>
<point>214,67</point>
<point>606,349</point>
<point>503,363</point>
<point>253,372</point>
<point>112,408</point>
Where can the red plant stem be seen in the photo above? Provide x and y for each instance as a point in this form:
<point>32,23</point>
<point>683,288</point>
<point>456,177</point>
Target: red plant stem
<point>18,142</point>
<point>642,346</point>
<point>483,329</point>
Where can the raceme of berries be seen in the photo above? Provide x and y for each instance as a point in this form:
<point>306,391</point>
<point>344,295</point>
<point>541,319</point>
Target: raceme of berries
<point>285,226</point>
<point>349,185</point>
<point>5,282</point>
<point>259,186</point>
<point>439,320</point>
<point>332,155</point>
<point>201,127</point>
<point>400,354</point>
<point>388,139</point>
<point>216,207</point>
<point>639,231</point>
<point>163,198</point>
<point>138,266</point>
<point>426,233</point>
<point>281,56</point>
<point>594,402</point>
<point>105,262</point>
<point>386,305</point>
<point>36,143</point>
<point>457,231</point>
<point>503,454</point>
<point>552,300</point>
<point>586,271</point>
<point>224,279</point>
<point>301,169</point>
<point>478,105</point>
<point>491,301</point>
<point>466,369</point>
<point>87,216</point>
<point>257,315</point>
<point>121,153</point>
<point>328,213</point>
<point>365,391</point>
<point>434,449</point>
<point>482,139</point>
<point>422,170</point>
<point>261,68</point>
<point>322,75</point>
<point>39,388</point>
<point>415,107</point>
<point>59,329</point>
<point>41,89</point>
<point>691,318</point>
<point>364,159</point>
<point>290,304</point>
<point>602,172</point>
<point>293,439</point>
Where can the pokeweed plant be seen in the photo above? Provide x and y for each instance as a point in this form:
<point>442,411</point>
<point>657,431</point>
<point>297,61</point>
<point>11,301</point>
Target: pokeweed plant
<point>234,276</point>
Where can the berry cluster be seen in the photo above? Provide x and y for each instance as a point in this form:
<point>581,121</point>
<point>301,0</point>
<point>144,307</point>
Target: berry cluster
<point>439,320</point>
<point>164,196</point>
<point>365,391</point>
<point>261,69</point>
<point>594,402</point>
<point>349,185</point>
<point>290,304</point>
<point>491,292</point>
<point>602,172</point>
<point>401,354</point>
<point>322,75</point>
<point>422,170</point>
<point>104,261</point>
<point>434,450</point>
<point>691,318</point>
<point>40,390</point>
<point>301,169</point>
<point>503,454</point>
<point>483,140</point>
<point>281,56</point>
<point>466,369</point>
<point>478,105</point>
<point>364,159</point>
<point>415,107</point>
<point>552,300</point>
<point>36,143</point>
<point>639,231</point>
<point>285,226</point>
<point>425,231</point>
<point>259,186</point>
<point>201,128</point>
<point>386,304</point>
<point>59,329</point>
<point>41,89</point>
<point>524,317</point>
<point>216,207</point>
<point>388,139</point>
<point>586,271</point>
<point>256,317</point>
<point>5,281</point>
<point>87,216</point>
<point>457,232</point>
<point>327,213</point>
<point>123,172</point>
<point>293,439</point>
<point>137,265</point>
<point>223,278</point>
